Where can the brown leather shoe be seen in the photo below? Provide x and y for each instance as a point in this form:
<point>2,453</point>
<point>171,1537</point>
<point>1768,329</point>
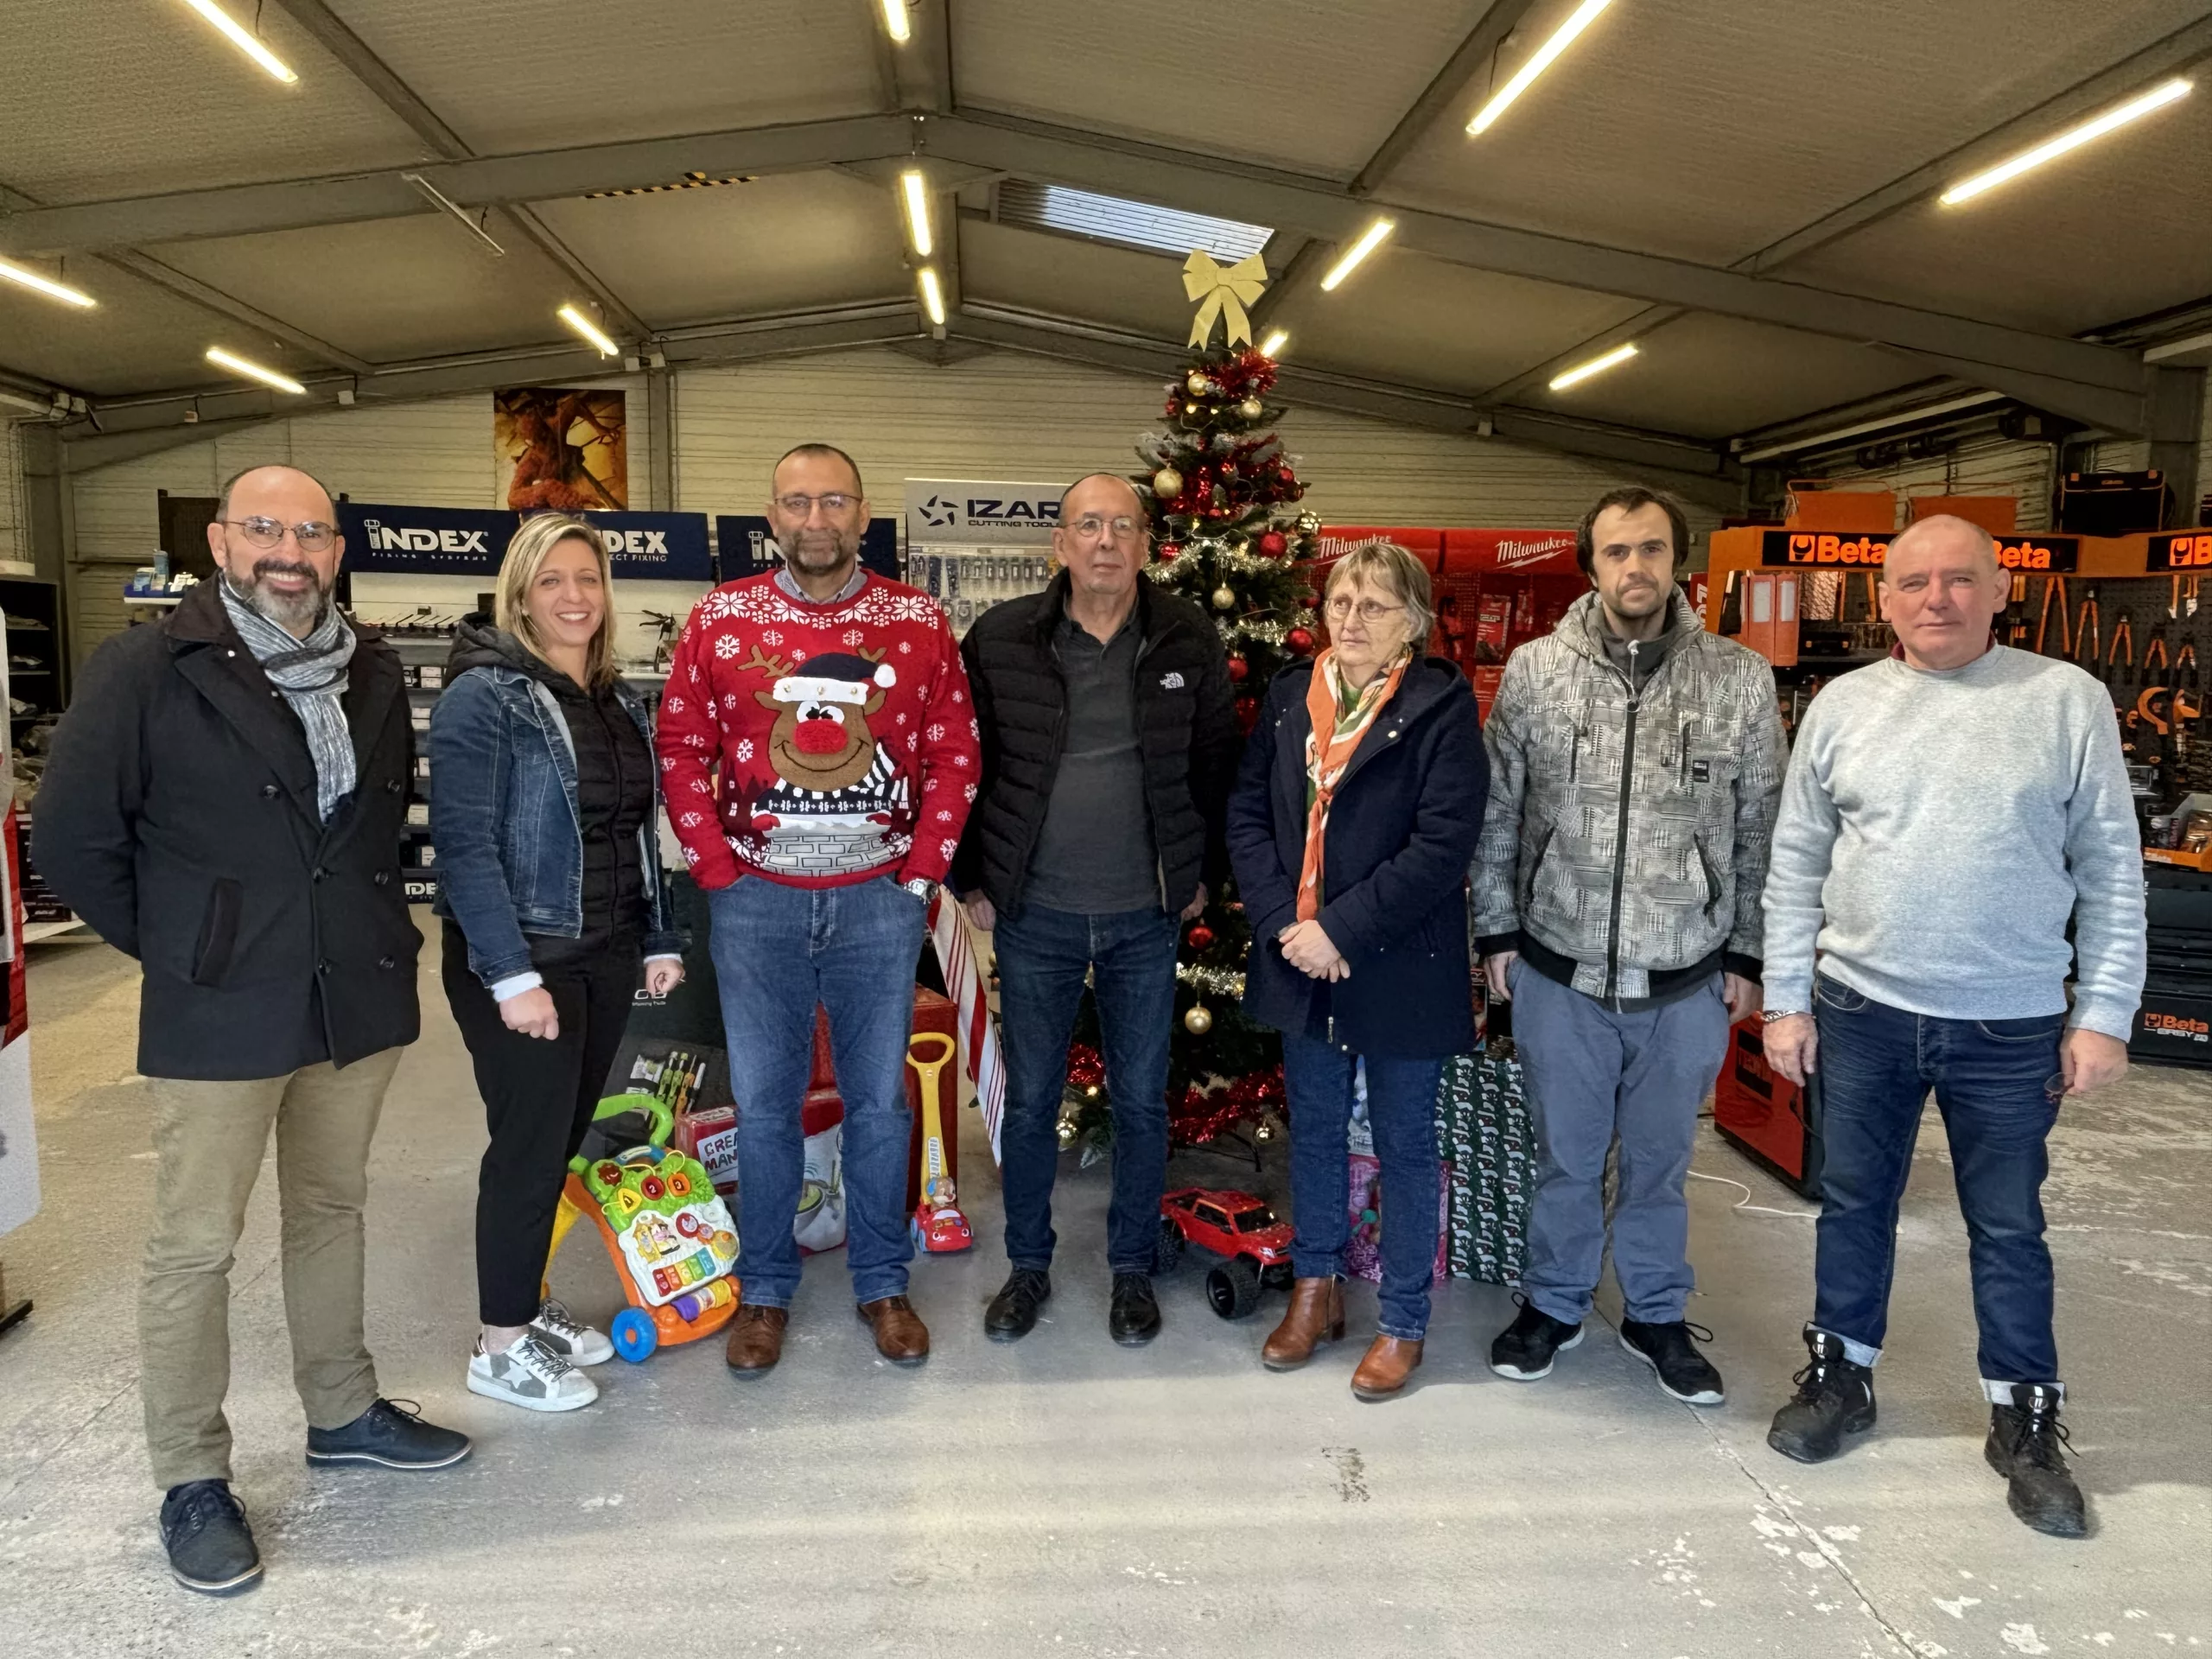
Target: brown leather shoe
<point>1316,1315</point>
<point>756,1338</point>
<point>900,1336</point>
<point>1383,1373</point>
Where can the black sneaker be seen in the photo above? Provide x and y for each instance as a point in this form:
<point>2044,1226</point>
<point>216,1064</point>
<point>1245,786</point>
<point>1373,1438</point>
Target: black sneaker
<point>1669,1350</point>
<point>1523,1351</point>
<point>1834,1398</point>
<point>211,1547</point>
<point>1012,1313</point>
<point>390,1435</point>
<point>2027,1445</point>
<point>1134,1317</point>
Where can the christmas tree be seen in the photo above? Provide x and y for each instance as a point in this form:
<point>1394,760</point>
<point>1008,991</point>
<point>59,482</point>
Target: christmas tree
<point>1229,537</point>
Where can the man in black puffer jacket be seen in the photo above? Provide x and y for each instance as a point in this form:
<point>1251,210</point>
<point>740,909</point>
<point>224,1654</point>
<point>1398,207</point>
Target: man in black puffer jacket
<point>1109,744</point>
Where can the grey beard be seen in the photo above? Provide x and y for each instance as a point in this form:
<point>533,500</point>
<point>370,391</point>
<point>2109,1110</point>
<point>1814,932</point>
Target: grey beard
<point>299,617</point>
<point>812,563</point>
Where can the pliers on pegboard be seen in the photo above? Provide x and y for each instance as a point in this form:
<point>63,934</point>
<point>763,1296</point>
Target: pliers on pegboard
<point>2089,625</point>
<point>2124,629</point>
<point>2054,587</point>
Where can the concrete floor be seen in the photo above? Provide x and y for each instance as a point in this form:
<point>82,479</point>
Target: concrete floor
<point>1062,1495</point>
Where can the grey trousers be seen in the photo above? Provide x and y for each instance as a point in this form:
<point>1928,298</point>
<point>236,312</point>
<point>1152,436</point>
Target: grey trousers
<point>1594,1074</point>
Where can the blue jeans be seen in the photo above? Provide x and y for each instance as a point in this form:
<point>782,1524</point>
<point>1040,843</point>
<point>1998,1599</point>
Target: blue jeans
<point>1043,957</point>
<point>1595,1076</point>
<point>1877,1065</point>
<point>1401,1110</point>
<point>779,950</point>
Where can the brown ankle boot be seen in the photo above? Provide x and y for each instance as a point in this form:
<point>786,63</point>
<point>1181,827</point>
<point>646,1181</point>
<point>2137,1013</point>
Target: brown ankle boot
<point>1383,1373</point>
<point>1316,1315</point>
<point>900,1336</point>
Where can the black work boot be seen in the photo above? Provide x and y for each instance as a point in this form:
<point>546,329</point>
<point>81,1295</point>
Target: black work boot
<point>1834,1398</point>
<point>210,1546</point>
<point>2027,1445</point>
<point>1013,1312</point>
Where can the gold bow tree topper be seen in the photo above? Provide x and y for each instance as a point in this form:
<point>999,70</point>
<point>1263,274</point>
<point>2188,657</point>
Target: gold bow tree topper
<point>1223,294</point>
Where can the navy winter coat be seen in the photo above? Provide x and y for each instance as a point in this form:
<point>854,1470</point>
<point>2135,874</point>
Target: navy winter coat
<point>1401,833</point>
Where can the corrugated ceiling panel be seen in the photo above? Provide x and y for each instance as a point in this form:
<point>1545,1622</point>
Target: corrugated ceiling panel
<point>138,338</point>
<point>109,99</point>
<point>1317,84</point>
<point>1069,277</point>
<point>782,243</point>
<point>1708,129</point>
<point>520,74</point>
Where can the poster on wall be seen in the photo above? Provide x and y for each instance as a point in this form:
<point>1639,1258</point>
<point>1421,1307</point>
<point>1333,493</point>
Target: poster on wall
<point>562,447</point>
<point>746,546</point>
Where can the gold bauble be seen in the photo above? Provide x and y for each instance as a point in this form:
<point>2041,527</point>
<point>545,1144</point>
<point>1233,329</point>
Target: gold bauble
<point>1251,409</point>
<point>1199,385</point>
<point>1167,483</point>
<point>1067,1133</point>
<point>1265,1130</point>
<point>1198,1020</point>
<point>1225,598</point>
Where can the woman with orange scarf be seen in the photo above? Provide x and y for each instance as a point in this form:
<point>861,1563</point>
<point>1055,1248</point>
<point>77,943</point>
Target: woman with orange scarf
<point>1355,813</point>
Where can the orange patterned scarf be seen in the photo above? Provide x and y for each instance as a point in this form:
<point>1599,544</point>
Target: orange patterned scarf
<point>1326,760</point>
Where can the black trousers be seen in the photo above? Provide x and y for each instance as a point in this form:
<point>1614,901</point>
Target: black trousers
<point>538,1098</point>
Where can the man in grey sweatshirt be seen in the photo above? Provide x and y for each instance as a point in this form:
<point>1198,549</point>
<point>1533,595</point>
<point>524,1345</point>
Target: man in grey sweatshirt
<point>1946,813</point>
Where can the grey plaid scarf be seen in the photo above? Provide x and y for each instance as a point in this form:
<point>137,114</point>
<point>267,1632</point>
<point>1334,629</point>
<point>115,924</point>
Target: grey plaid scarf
<point>311,673</point>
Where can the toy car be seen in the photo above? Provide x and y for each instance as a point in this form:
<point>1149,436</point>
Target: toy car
<point>1254,1246</point>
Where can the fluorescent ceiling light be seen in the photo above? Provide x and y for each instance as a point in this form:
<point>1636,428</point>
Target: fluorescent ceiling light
<point>590,330</point>
<point>894,21</point>
<point>2072,138</point>
<point>916,191</point>
<point>1272,345</point>
<point>1132,223</point>
<point>238,364</point>
<point>933,297</point>
<point>243,39</point>
<point>1358,252</point>
<point>38,285</point>
<point>1540,60</point>
<point>1595,365</point>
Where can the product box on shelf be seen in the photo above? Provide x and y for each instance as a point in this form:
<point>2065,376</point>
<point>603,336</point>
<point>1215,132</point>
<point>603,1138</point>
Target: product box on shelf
<point>2173,1030</point>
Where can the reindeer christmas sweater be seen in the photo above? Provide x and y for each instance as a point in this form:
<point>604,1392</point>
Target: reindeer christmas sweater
<point>818,745</point>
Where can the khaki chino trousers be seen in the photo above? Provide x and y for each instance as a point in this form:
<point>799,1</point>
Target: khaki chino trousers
<point>209,1139</point>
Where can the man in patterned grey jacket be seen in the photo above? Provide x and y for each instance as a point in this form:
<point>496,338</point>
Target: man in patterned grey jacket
<point>1636,771</point>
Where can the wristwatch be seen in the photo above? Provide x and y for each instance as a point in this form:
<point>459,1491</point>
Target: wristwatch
<point>919,886</point>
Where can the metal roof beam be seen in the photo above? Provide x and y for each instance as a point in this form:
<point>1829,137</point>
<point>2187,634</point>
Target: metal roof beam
<point>1699,471</point>
<point>1439,99</point>
<point>1261,196</point>
<point>997,143</point>
<point>396,95</point>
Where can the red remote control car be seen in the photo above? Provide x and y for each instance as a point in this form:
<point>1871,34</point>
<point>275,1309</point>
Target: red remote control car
<point>1253,1247</point>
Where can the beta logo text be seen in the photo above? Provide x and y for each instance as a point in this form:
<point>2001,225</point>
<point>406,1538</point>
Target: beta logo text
<point>2175,1025</point>
<point>2190,551</point>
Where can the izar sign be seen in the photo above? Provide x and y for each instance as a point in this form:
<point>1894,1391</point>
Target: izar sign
<point>951,511</point>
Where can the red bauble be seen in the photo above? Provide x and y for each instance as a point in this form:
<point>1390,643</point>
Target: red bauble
<point>1167,551</point>
<point>1248,715</point>
<point>1200,936</point>
<point>1238,669</point>
<point>1274,544</point>
<point>1300,640</point>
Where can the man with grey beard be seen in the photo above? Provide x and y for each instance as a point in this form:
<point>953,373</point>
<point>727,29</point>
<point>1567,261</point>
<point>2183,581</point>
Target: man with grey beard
<point>224,803</point>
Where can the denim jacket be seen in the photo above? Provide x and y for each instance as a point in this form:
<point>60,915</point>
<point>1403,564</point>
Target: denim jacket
<point>505,821</point>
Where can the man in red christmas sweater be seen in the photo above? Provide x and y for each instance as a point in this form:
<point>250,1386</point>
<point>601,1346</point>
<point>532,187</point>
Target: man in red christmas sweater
<point>819,752</point>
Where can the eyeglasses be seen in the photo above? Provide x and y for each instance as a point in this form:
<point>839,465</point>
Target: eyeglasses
<point>313,536</point>
<point>1370,611</point>
<point>798,506</point>
<point>1124,529</point>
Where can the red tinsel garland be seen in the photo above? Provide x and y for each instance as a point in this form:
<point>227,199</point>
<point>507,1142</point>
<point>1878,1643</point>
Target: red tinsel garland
<point>1201,1114</point>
